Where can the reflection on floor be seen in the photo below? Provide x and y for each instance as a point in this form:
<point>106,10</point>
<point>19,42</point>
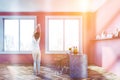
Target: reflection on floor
<point>25,72</point>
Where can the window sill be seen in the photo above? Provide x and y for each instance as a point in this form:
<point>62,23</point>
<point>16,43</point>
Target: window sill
<point>29,52</point>
<point>55,52</point>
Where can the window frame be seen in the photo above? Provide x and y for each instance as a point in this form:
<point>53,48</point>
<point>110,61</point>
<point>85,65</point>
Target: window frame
<point>2,26</point>
<point>47,32</point>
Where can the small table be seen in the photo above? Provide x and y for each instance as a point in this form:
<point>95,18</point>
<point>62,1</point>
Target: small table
<point>78,66</point>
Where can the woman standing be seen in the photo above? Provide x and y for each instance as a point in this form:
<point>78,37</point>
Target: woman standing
<point>36,54</point>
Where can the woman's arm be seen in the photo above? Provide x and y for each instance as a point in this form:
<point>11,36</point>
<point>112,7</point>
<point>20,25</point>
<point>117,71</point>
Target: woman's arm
<point>39,29</point>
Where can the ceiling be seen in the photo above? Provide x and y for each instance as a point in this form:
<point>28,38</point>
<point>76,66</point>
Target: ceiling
<point>50,5</point>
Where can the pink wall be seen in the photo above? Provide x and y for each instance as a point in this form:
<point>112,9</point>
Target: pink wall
<point>88,19</point>
<point>108,54</point>
<point>114,24</point>
<point>106,14</point>
<point>15,59</point>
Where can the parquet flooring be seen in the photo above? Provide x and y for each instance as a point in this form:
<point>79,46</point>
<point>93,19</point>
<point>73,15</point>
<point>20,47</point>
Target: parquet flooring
<point>25,72</point>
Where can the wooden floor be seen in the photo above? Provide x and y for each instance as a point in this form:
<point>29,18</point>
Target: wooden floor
<point>25,72</point>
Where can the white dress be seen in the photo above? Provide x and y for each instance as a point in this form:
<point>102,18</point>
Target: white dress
<point>36,54</point>
<point>36,46</point>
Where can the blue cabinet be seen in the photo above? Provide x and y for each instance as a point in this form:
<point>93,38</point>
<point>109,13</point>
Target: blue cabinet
<point>78,66</point>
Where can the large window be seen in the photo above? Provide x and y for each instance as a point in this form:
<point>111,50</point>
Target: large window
<point>63,33</point>
<point>17,34</point>
<point>11,28</point>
